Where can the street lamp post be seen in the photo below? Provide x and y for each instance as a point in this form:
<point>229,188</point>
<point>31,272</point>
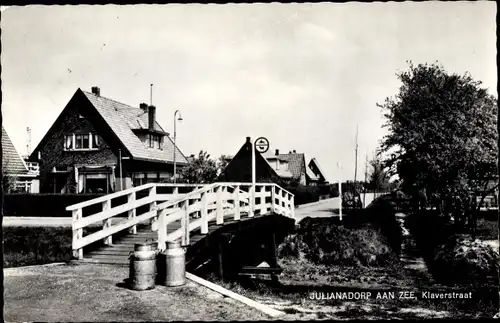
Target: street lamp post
<point>175,137</point>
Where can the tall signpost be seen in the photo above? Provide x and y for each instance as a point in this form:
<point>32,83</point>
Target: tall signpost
<point>262,145</point>
<point>340,190</point>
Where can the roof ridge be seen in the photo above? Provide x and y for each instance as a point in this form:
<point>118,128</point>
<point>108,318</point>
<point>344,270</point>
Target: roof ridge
<point>104,97</point>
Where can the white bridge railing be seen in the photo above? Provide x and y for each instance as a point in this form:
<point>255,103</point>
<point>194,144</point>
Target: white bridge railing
<point>193,205</point>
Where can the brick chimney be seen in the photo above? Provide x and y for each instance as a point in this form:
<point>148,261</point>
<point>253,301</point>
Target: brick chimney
<point>96,91</point>
<point>144,107</point>
<point>151,117</point>
<point>277,152</point>
<point>294,151</point>
<point>248,139</point>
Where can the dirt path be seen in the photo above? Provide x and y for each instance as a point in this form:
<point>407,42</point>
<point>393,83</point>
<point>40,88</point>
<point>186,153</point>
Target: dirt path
<point>92,293</point>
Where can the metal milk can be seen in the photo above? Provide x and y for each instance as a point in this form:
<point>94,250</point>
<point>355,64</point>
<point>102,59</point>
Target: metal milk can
<point>175,258</point>
<point>143,266</point>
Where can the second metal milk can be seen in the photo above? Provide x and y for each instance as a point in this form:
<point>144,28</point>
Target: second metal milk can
<point>175,258</point>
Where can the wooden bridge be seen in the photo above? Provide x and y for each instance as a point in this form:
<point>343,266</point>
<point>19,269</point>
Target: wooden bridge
<point>168,212</point>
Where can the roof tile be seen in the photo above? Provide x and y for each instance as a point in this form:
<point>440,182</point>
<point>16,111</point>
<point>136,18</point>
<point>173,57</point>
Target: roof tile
<point>122,119</point>
<point>11,160</point>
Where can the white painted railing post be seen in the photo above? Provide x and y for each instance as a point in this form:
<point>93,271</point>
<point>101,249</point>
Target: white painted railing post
<point>132,213</point>
<point>175,191</point>
<point>152,205</point>
<point>273,197</point>
<point>219,215</point>
<point>252,202</point>
<point>237,202</point>
<point>204,213</point>
<point>185,223</point>
<point>262,199</point>
<point>77,234</point>
<point>106,205</point>
<point>162,230</point>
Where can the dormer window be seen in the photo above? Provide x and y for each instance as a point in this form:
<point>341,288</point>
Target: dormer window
<point>81,142</point>
<point>155,141</point>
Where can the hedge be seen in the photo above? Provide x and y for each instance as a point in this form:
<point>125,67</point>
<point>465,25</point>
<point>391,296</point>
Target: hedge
<point>304,194</point>
<point>440,245</point>
<point>49,205</point>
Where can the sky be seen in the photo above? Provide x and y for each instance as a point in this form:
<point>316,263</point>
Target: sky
<point>305,76</point>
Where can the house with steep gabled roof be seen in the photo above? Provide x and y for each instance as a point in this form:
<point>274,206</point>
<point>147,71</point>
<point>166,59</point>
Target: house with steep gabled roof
<point>272,167</point>
<point>99,145</point>
<point>239,168</point>
<point>17,176</point>
<point>316,171</point>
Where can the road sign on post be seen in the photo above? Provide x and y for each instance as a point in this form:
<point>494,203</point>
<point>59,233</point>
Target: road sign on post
<point>261,145</point>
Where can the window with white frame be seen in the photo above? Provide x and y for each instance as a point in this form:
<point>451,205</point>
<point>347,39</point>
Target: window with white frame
<point>154,141</point>
<point>82,141</point>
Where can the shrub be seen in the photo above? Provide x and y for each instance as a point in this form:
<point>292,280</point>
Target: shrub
<point>324,242</point>
<point>465,261</point>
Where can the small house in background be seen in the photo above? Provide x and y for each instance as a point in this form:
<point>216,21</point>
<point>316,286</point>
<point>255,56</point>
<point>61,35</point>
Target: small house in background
<point>280,165</point>
<point>239,169</point>
<point>17,175</point>
<point>272,167</point>
<point>316,172</point>
<point>99,145</point>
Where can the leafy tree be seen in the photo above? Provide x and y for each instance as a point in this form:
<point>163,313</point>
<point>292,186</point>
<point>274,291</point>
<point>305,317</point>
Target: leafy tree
<point>442,134</point>
<point>202,170</point>
<point>222,163</point>
<point>378,179</point>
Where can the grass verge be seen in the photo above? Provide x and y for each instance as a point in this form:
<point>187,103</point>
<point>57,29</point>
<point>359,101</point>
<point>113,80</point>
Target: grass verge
<point>26,246</point>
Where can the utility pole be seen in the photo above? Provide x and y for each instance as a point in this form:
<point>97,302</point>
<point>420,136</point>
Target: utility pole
<point>340,189</point>
<point>355,165</point>
<point>366,185</point>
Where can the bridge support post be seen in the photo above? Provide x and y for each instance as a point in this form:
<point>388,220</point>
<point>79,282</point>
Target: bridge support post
<point>185,223</point>
<point>152,205</point>
<point>132,213</point>
<point>273,199</point>
<point>204,213</point>
<point>162,231</point>
<point>220,258</point>
<point>237,203</point>
<point>106,205</point>
<point>252,202</point>
<point>77,233</point>
<point>219,214</point>
<point>273,256</point>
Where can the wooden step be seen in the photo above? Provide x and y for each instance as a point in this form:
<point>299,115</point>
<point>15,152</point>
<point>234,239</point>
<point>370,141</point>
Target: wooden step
<point>110,252</point>
<point>98,261</point>
<point>108,257</point>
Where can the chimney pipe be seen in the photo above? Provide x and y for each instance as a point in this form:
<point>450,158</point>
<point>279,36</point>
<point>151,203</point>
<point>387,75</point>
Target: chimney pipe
<point>277,152</point>
<point>96,91</point>
<point>144,107</point>
<point>248,139</point>
<point>152,117</point>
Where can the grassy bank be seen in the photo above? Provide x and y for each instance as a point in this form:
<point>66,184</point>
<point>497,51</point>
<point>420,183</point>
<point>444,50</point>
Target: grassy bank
<point>25,246</point>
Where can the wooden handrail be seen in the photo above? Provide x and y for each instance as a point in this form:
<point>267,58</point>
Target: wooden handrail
<point>208,201</point>
<point>109,197</point>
